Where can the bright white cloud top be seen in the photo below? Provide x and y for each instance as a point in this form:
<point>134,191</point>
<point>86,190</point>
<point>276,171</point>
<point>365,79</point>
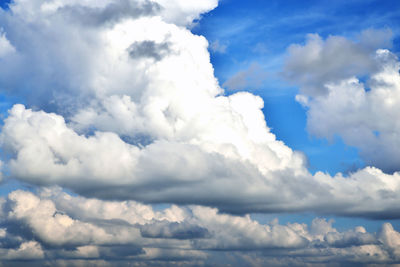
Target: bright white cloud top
<point>121,103</point>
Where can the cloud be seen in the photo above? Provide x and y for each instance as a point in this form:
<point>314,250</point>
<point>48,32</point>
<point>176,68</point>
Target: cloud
<point>148,49</point>
<point>217,47</point>
<point>99,15</point>
<point>268,177</point>
<point>30,250</point>
<point>251,78</point>
<point>185,13</point>
<point>143,235</point>
<point>87,61</point>
<point>318,62</point>
<point>168,135</point>
<point>362,113</point>
<point>5,46</point>
<point>102,120</point>
<point>165,229</point>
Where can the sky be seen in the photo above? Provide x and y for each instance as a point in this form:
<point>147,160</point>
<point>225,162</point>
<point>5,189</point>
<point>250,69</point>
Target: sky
<point>199,133</point>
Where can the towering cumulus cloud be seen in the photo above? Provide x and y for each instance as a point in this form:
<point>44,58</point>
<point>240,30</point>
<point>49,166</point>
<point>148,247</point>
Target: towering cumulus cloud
<point>120,104</point>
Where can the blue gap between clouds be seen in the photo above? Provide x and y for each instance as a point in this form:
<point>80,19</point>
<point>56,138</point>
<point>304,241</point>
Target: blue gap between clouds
<point>4,4</point>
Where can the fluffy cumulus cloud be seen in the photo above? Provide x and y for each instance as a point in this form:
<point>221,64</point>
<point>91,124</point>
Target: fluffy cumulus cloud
<point>351,89</point>
<point>55,228</point>
<point>45,151</point>
<point>120,104</point>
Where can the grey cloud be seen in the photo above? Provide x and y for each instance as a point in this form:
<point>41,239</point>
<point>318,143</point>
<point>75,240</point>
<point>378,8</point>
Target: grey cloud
<point>165,229</point>
<point>348,239</point>
<point>111,13</point>
<point>149,49</point>
<point>116,252</point>
<point>318,62</point>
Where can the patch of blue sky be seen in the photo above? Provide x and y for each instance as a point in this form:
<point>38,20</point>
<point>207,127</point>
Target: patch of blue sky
<point>6,102</point>
<point>287,118</point>
<point>9,185</point>
<point>4,4</point>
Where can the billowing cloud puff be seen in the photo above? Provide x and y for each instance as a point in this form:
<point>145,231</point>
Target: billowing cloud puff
<point>364,114</point>
<point>57,227</point>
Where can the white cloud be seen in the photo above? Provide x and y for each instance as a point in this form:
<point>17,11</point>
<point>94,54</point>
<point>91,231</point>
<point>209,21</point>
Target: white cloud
<point>364,114</point>
<point>185,12</point>
<point>253,173</point>
<point>88,46</point>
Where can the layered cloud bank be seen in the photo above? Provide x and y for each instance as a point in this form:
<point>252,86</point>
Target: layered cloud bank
<point>120,103</point>
<point>57,229</point>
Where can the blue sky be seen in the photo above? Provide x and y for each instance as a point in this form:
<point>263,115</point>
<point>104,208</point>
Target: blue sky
<point>4,4</point>
<point>117,144</point>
